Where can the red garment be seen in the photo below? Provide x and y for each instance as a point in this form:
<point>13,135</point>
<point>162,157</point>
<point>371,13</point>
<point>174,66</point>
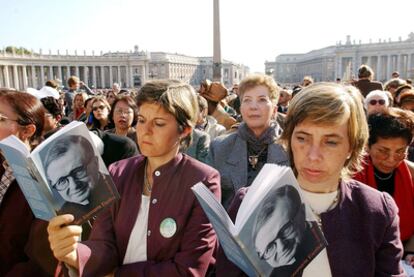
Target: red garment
<point>79,112</point>
<point>403,194</point>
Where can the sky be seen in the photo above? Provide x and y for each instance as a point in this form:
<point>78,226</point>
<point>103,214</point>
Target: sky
<point>252,32</point>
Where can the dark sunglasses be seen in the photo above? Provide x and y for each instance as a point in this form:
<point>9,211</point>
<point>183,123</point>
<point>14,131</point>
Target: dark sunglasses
<point>373,102</point>
<point>98,107</point>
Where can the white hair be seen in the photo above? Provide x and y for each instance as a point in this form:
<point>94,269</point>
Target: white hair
<point>376,94</point>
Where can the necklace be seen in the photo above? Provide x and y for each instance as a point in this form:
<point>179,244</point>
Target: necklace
<point>254,159</point>
<point>146,181</point>
<point>383,178</point>
<point>121,133</point>
<point>330,207</point>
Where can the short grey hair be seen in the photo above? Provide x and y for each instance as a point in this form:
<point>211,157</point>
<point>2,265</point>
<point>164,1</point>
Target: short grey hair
<point>378,94</point>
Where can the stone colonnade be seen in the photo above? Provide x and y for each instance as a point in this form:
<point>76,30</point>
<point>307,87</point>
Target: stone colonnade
<point>382,64</point>
<point>102,76</point>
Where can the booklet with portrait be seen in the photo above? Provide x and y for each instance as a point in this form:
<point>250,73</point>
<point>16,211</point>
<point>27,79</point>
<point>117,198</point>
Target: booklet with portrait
<point>63,174</point>
<point>275,232</point>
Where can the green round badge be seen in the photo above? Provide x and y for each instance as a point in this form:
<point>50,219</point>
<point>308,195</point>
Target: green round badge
<point>168,227</point>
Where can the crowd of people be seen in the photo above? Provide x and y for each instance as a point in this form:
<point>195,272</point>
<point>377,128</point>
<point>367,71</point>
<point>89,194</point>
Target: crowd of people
<point>350,147</point>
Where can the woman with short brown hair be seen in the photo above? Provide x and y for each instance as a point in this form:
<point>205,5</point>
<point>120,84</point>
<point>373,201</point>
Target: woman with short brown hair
<point>157,227</point>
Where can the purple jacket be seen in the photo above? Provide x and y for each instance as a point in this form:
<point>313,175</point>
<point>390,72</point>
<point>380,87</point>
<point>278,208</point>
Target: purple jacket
<point>362,232</point>
<point>188,252</point>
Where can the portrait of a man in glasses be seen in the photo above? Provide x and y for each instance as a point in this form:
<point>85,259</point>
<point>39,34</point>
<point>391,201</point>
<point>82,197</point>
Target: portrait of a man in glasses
<point>281,235</point>
<point>72,170</point>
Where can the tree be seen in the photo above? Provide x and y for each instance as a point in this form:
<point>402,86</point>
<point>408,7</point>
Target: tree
<point>18,50</point>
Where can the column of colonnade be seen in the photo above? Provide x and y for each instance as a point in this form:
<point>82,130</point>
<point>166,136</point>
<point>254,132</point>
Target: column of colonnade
<point>85,75</point>
<point>129,69</point>
<point>33,76</point>
<point>6,76</point>
<point>102,77</point>
<point>119,75</point>
<point>25,81</point>
<point>399,61</point>
<point>50,73</point>
<point>15,79</point>
<point>59,73</point>
<point>94,75</point>
<point>379,68</point>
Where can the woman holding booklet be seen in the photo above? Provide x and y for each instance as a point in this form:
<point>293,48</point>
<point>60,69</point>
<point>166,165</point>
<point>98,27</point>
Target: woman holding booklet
<point>325,135</point>
<point>157,228</point>
<point>22,236</point>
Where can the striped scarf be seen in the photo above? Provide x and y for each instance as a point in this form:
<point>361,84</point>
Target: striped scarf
<point>6,180</point>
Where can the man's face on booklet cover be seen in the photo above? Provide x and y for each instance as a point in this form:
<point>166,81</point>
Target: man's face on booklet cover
<point>280,234</point>
<point>71,175</point>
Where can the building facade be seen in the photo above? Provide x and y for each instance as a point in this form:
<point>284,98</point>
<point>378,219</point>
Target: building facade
<point>232,73</point>
<point>130,69</point>
<point>342,61</point>
<point>174,66</point>
<point>33,70</point>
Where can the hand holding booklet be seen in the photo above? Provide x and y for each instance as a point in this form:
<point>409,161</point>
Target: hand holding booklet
<point>275,232</point>
<point>65,174</point>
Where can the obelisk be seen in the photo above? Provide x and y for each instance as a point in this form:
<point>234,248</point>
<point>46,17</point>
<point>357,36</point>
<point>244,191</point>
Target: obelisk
<point>217,67</point>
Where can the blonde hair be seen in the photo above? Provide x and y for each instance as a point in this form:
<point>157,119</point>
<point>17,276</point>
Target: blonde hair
<point>79,94</point>
<point>256,80</point>
<point>307,79</point>
<point>329,104</point>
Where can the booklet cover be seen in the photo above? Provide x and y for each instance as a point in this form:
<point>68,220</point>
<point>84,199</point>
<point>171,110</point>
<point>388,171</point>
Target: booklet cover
<point>409,270</point>
<point>275,232</point>
<point>64,174</point>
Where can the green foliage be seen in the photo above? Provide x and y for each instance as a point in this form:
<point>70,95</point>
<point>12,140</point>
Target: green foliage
<point>18,50</point>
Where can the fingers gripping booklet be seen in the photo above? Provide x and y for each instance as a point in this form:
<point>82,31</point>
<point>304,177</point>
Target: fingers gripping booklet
<point>65,174</point>
<point>275,232</point>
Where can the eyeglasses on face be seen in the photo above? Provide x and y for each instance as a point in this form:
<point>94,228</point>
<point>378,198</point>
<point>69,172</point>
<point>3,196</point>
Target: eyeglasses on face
<point>76,174</point>
<point>385,154</point>
<point>4,118</point>
<point>101,107</point>
<point>283,236</point>
<point>373,102</point>
<point>122,112</point>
